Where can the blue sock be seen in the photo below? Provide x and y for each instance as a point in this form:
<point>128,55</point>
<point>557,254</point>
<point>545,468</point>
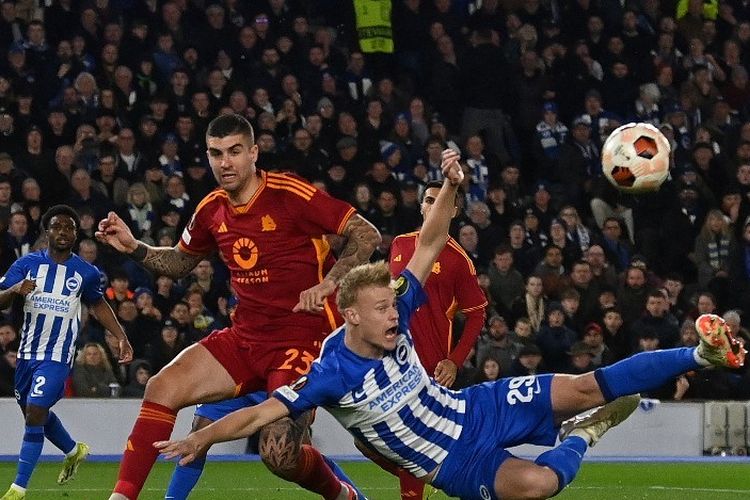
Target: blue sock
<point>341,475</point>
<point>644,371</point>
<point>58,435</point>
<point>337,471</point>
<point>565,460</point>
<point>31,448</point>
<point>184,479</point>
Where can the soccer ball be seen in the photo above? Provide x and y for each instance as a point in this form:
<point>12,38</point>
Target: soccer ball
<point>635,158</point>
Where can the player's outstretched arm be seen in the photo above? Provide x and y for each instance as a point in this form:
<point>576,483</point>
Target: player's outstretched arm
<point>22,288</point>
<point>236,425</point>
<point>434,233</point>
<point>170,261</point>
<point>361,240</point>
<point>107,318</point>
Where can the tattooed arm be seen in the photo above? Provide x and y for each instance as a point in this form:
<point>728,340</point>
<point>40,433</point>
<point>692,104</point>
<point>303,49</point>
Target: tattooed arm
<point>361,240</point>
<point>170,261</point>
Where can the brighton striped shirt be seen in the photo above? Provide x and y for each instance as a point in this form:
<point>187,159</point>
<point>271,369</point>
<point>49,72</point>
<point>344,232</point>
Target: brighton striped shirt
<point>52,312</point>
<point>390,404</point>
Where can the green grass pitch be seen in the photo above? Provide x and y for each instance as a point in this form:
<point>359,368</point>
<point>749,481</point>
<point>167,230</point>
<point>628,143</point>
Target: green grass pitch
<point>250,480</point>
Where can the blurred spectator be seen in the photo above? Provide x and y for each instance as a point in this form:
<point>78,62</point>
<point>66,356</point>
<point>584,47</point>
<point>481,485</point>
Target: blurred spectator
<point>166,346</point>
<point>506,283</point>
<point>531,304</point>
<point>528,362</point>
<point>139,374</point>
<point>580,359</point>
<point>92,374</point>
<point>7,370</point>
<point>488,370</point>
<point>658,320</point>
<point>8,335</point>
<point>495,343</point>
<point>555,339</point>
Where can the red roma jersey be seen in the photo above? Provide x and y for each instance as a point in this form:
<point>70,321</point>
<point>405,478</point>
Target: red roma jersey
<point>274,248</point>
<point>452,286</point>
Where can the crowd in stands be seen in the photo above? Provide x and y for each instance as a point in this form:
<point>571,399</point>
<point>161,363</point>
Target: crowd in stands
<point>104,105</point>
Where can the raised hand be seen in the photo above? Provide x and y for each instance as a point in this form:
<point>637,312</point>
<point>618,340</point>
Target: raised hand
<point>451,167</point>
<point>114,232</point>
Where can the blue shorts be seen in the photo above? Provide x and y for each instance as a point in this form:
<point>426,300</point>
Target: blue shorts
<point>214,411</point>
<point>499,415</point>
<point>40,383</point>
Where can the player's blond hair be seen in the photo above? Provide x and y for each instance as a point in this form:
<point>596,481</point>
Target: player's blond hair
<point>362,276</point>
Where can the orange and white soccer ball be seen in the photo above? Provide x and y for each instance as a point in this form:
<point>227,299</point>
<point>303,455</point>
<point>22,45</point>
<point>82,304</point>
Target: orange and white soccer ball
<point>635,158</point>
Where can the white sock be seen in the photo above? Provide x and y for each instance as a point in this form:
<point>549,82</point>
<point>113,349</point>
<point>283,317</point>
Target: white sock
<point>19,489</point>
<point>344,493</point>
<point>72,452</point>
<point>698,359</point>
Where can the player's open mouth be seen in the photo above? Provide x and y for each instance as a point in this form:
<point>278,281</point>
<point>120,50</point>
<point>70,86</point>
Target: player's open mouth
<point>228,177</point>
<point>391,333</point>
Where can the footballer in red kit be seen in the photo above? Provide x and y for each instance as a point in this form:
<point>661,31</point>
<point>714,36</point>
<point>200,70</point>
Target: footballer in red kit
<point>451,287</point>
<point>269,229</point>
<point>275,249</point>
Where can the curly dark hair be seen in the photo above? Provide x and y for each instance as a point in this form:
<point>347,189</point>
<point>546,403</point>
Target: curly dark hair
<point>60,210</point>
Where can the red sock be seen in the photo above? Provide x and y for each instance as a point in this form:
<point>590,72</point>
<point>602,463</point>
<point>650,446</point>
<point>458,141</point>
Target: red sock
<point>154,423</point>
<point>314,475</point>
<point>411,487</point>
<point>379,460</point>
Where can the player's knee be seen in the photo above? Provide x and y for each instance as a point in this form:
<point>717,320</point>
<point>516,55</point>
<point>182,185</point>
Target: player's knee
<point>36,415</point>
<point>526,481</point>
<point>199,423</point>
<point>160,389</point>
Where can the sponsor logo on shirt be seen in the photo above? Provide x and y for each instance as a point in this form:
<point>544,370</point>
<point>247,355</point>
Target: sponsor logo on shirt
<point>393,394</point>
<point>245,253</point>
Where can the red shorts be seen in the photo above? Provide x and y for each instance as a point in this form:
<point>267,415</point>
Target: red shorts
<point>261,366</point>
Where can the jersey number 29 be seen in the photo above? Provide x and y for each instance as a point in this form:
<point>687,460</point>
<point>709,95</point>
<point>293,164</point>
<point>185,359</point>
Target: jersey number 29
<point>522,389</point>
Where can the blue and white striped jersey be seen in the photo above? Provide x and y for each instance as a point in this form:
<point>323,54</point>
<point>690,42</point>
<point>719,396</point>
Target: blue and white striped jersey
<point>390,404</point>
<point>52,312</point>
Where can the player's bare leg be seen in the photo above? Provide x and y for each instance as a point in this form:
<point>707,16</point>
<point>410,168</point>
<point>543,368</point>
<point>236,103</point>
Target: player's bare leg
<point>282,450</point>
<point>195,376</point>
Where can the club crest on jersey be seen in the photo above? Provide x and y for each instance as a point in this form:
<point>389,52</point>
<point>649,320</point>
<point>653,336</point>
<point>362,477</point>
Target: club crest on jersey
<point>400,286</point>
<point>299,383</point>
<point>436,268</point>
<point>245,253</point>
<point>402,351</point>
<point>267,223</point>
<point>73,284</point>
<point>484,492</point>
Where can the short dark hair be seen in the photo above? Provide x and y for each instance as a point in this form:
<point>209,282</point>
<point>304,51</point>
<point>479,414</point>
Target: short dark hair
<point>60,210</point>
<point>225,125</point>
<point>656,293</point>
<point>439,185</point>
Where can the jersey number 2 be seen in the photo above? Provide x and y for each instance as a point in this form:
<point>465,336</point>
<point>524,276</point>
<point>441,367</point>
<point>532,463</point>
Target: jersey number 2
<point>39,382</point>
<point>303,361</point>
